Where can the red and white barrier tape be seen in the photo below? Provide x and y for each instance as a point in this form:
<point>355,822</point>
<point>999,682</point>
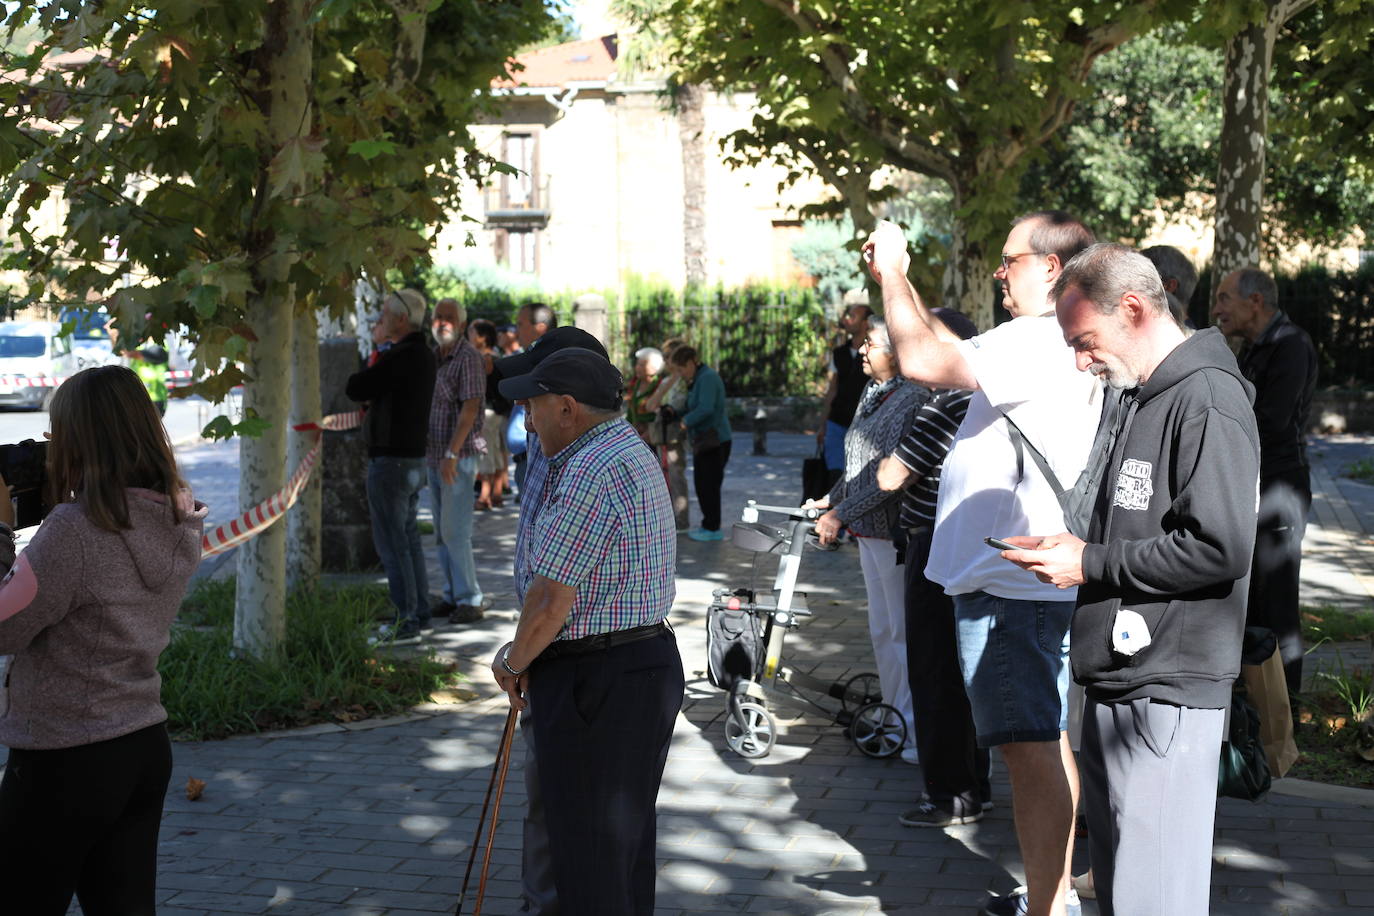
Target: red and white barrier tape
<point>233,533</point>
<point>176,378</point>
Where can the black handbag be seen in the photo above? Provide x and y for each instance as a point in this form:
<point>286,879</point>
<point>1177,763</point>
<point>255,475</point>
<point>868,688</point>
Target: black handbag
<point>815,477</point>
<point>705,440</point>
<point>1243,771</point>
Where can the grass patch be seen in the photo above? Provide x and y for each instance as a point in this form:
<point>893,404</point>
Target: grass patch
<point>1333,721</point>
<point>425,527</point>
<point>1333,624</point>
<point>1327,755</point>
<point>324,672</point>
<point>1362,470</point>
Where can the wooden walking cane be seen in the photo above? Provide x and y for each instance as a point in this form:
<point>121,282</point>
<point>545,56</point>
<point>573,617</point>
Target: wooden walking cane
<point>497,781</point>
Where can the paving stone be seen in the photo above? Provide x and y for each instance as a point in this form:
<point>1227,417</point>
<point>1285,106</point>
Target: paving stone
<point>378,820</point>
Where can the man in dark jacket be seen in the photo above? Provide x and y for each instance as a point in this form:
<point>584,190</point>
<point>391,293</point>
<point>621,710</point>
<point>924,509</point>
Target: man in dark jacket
<point>845,383</point>
<point>398,389</point>
<point>1156,635</point>
<point>1279,360</point>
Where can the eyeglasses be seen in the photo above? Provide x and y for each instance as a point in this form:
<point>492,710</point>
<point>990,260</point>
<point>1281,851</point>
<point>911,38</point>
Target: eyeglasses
<point>1010,259</point>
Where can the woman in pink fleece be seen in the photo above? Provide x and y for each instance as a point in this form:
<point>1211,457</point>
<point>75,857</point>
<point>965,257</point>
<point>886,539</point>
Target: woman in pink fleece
<point>85,611</point>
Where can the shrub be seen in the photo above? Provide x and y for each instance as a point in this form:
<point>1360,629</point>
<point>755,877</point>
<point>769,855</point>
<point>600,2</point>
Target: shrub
<point>324,671</point>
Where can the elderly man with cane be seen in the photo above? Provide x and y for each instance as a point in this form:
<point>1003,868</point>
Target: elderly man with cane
<point>592,654</point>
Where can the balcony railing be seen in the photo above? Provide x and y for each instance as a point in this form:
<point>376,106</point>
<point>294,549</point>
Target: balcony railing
<point>510,202</point>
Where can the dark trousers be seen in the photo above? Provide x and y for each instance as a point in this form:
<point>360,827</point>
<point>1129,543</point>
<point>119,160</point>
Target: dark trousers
<point>1284,502</point>
<point>956,770</point>
<point>84,820</point>
<point>708,473</point>
<point>393,498</point>
<point>602,725</point>
<point>536,866</point>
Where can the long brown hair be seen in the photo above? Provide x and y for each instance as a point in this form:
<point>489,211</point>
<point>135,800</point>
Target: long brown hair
<point>107,436</point>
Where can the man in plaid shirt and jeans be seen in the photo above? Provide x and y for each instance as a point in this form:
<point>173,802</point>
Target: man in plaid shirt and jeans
<point>455,441</point>
<point>592,652</point>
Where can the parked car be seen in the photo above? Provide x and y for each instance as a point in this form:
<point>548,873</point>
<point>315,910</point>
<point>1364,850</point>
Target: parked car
<point>34,358</point>
<point>90,341</point>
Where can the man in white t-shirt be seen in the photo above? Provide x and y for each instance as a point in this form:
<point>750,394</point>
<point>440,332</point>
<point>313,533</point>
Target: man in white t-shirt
<point>1012,628</point>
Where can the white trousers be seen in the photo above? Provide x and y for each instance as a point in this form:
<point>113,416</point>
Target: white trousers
<point>884,580</point>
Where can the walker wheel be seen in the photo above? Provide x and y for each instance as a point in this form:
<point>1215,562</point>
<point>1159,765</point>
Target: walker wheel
<point>859,691</point>
<point>750,730</point>
<point>878,730</point>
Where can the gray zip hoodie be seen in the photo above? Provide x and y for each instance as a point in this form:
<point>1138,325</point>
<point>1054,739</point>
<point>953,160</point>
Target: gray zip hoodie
<point>85,613</point>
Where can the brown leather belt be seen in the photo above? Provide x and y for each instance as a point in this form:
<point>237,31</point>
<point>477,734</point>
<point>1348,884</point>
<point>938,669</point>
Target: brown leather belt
<point>602,641</point>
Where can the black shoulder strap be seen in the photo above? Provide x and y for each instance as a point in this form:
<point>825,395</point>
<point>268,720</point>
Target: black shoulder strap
<point>1021,443</point>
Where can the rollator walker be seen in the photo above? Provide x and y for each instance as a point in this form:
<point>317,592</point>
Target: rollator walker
<point>746,630</point>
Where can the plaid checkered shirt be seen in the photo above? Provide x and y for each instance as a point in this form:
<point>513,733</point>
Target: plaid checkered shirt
<point>461,377</point>
<point>603,524</point>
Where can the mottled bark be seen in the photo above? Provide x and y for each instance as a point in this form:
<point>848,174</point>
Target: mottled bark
<point>1240,174</point>
<point>284,95</point>
<point>691,120</point>
<point>410,40</point>
<point>1244,132</point>
<point>967,283</point>
<point>304,520</point>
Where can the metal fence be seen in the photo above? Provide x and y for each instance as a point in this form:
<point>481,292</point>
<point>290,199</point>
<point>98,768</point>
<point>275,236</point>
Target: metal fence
<point>764,341</point>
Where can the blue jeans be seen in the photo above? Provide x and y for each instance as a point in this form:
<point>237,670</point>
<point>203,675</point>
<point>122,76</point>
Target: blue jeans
<point>393,496</point>
<point>1014,656</point>
<point>453,525</point>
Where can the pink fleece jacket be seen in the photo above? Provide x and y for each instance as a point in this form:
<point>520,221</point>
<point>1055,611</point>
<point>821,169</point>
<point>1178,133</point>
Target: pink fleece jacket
<point>85,613</point>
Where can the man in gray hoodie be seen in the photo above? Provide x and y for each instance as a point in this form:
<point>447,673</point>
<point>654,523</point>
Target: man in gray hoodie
<point>1162,582</point>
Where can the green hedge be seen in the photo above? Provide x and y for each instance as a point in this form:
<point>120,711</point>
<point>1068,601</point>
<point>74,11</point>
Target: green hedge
<point>1335,307</point>
<point>764,340</point>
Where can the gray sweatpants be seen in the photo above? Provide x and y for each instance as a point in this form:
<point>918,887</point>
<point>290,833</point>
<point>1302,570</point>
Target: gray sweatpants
<point>1149,775</point>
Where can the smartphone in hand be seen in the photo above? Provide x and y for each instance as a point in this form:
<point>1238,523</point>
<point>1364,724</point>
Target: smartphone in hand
<point>1000,544</point>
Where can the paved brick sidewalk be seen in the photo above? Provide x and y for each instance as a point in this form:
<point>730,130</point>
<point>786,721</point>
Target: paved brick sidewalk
<point>377,820</point>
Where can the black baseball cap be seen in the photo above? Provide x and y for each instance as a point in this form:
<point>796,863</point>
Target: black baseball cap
<point>543,348</point>
<point>584,374</point>
<point>956,321</point>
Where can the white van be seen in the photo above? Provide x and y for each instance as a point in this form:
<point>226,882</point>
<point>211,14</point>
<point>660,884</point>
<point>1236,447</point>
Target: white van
<point>34,358</point>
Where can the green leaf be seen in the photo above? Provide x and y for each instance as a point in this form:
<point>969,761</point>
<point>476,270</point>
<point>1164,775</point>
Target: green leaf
<point>218,429</point>
<point>296,165</point>
<point>252,425</point>
<point>205,300</point>
<point>371,149</point>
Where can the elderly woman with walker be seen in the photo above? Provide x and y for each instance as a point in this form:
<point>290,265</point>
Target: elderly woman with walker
<point>886,409</point>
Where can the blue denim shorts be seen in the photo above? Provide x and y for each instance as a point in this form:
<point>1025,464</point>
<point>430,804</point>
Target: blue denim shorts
<point>1015,659</point>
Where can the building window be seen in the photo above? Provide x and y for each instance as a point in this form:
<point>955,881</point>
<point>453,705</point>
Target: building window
<point>518,249</point>
<point>519,191</point>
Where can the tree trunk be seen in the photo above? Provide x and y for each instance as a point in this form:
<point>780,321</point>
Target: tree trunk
<point>968,279</point>
<point>304,520</point>
<point>260,603</point>
<point>1244,132</point>
<point>1240,174</point>
<point>691,119</point>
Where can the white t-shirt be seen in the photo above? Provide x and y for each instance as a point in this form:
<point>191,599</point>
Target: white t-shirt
<point>1024,369</point>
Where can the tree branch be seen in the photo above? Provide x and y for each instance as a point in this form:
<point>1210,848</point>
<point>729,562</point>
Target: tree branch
<point>910,154</point>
